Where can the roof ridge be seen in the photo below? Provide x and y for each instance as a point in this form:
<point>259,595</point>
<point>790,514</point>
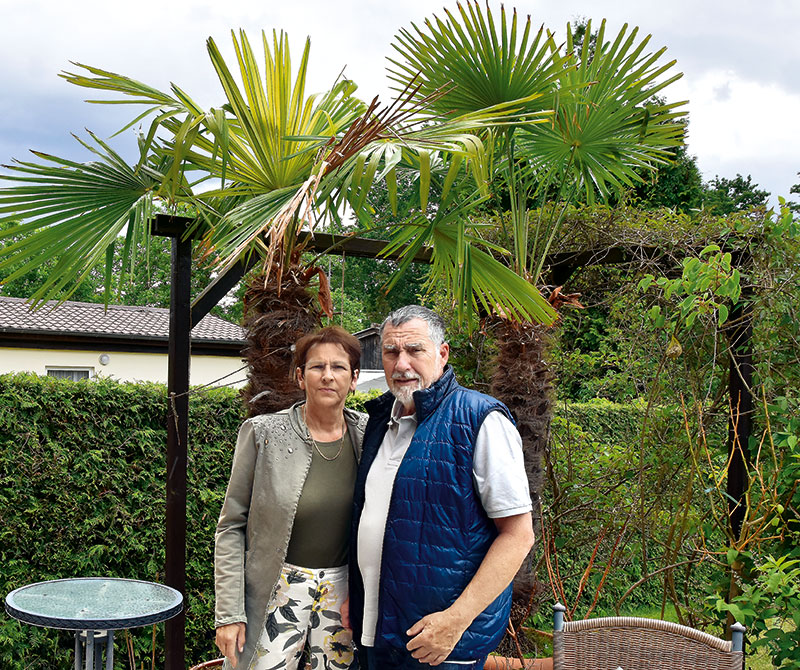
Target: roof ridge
<point>90,318</point>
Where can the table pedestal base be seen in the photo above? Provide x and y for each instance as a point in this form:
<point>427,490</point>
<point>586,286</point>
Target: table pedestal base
<point>89,646</point>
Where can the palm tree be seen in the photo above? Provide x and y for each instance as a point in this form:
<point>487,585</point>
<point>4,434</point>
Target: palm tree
<point>588,124</point>
<point>484,103</point>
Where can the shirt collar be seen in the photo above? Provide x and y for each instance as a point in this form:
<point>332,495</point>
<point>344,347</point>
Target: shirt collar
<point>397,413</point>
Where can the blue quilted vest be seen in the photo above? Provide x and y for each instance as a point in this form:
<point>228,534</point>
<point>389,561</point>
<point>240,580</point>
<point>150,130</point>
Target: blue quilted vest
<point>437,532</point>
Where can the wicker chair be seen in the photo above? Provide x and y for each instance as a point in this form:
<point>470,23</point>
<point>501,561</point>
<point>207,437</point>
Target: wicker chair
<point>216,663</point>
<point>633,643</point>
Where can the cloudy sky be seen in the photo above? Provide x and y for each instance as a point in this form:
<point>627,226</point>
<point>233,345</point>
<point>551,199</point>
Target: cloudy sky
<point>740,59</point>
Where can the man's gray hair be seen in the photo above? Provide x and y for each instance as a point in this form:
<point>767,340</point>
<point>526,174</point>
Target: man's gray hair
<point>405,314</point>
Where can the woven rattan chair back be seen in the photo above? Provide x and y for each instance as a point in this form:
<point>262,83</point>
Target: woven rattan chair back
<point>216,663</point>
<point>633,643</point>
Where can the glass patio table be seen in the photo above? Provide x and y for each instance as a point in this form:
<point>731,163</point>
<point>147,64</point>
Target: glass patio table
<point>93,607</point>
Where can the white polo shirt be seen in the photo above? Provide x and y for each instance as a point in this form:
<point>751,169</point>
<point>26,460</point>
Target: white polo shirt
<point>498,471</point>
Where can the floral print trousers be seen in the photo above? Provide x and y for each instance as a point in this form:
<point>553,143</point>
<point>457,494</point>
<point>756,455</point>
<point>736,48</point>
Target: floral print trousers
<point>304,626</point>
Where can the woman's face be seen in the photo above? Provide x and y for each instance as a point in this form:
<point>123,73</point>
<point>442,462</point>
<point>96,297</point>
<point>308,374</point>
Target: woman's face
<point>327,377</point>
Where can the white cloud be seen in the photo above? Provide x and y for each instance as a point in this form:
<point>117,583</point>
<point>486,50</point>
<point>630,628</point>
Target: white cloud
<point>722,93</point>
<point>753,127</point>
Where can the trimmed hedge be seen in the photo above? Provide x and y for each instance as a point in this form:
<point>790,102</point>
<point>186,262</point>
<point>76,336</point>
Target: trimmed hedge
<point>82,493</point>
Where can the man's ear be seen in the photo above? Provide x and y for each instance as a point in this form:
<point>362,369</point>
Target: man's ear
<point>444,352</point>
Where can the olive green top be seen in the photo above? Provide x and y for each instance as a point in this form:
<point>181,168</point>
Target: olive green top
<point>321,531</point>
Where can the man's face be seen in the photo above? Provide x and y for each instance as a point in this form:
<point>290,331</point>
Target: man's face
<point>411,361</point>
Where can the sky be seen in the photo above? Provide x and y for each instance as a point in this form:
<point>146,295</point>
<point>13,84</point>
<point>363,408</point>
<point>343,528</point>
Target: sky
<point>740,60</point>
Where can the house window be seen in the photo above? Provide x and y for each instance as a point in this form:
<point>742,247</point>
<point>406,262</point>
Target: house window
<point>70,373</point>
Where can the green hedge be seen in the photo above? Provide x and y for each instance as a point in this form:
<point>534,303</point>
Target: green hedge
<point>82,472</point>
<point>82,493</point>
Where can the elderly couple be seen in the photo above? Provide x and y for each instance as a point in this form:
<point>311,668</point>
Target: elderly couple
<point>386,541</point>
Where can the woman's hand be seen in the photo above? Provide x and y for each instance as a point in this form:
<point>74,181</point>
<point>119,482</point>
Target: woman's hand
<point>230,640</point>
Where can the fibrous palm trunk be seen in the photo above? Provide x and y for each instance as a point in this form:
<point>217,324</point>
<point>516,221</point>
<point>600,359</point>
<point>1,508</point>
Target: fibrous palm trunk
<point>523,381</point>
<point>273,321</point>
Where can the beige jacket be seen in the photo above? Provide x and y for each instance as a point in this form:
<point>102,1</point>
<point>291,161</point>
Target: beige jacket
<point>270,466</point>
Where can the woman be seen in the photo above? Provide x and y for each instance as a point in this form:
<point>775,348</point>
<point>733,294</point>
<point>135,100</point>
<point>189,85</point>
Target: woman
<point>280,564</point>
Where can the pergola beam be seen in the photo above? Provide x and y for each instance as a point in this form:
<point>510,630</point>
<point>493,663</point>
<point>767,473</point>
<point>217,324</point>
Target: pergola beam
<point>177,442</point>
<point>740,396</point>
<point>321,243</point>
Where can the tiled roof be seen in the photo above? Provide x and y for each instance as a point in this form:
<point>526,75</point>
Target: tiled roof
<point>85,318</point>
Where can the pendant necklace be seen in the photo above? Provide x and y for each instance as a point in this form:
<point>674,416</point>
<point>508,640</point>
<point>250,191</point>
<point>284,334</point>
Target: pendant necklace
<point>314,442</point>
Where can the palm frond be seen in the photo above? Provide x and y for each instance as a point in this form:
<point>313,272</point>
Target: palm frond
<point>472,271</point>
<point>606,128</point>
<point>73,212</point>
<point>480,63</point>
<point>162,106</point>
<point>267,147</point>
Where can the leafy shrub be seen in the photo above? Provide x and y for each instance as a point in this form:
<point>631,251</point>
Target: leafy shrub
<point>769,606</point>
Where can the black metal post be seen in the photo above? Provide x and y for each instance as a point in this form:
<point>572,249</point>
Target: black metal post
<point>177,439</point>
<point>740,423</point>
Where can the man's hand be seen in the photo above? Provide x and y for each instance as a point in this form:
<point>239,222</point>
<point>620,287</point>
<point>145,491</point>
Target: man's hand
<point>434,636</point>
<point>230,640</point>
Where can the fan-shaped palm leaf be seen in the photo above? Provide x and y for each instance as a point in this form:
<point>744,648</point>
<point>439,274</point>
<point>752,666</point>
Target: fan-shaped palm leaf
<point>269,140</point>
<point>468,265</point>
<point>76,212</point>
<point>604,130</point>
<point>478,63</point>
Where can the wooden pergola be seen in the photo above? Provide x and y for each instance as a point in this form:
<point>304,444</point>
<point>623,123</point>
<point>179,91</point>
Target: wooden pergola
<point>185,313</point>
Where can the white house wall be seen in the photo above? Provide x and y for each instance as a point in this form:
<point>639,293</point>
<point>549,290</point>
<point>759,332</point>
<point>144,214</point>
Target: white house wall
<point>215,370</point>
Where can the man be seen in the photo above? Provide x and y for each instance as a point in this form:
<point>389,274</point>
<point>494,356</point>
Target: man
<point>441,518</point>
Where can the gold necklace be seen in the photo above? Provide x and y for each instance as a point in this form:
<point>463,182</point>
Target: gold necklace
<point>314,442</point>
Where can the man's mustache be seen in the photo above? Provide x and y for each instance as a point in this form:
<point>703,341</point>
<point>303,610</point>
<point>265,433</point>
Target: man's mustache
<point>405,375</point>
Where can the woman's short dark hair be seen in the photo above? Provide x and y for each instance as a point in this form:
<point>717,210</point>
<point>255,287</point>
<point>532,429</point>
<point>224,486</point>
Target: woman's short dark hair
<point>329,335</point>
